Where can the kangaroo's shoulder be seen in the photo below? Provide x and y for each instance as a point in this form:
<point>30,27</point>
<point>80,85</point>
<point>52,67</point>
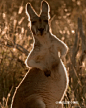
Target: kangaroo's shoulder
<point>54,38</point>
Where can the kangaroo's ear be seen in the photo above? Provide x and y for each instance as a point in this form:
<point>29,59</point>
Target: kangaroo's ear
<point>30,11</point>
<point>45,9</point>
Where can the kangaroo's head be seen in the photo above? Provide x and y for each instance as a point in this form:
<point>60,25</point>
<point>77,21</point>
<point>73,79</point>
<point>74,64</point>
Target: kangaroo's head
<point>39,23</point>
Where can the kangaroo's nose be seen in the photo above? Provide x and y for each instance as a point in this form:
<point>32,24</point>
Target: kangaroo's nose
<point>41,30</point>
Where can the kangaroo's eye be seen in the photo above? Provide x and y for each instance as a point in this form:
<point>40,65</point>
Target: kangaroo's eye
<point>33,22</point>
<point>46,21</point>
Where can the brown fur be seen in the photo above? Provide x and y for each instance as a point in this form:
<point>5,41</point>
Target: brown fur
<point>47,80</point>
<point>46,46</point>
<point>38,91</point>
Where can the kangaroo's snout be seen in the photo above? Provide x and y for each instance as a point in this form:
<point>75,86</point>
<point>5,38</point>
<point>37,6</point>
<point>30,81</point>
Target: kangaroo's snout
<point>41,30</point>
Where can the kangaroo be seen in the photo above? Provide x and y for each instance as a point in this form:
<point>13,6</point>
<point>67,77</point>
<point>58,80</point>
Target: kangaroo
<point>45,53</point>
<point>45,84</point>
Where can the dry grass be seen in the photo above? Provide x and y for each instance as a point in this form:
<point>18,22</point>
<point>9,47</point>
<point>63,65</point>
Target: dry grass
<point>16,42</point>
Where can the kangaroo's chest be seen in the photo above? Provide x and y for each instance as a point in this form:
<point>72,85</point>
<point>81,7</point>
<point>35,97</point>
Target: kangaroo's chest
<point>47,49</point>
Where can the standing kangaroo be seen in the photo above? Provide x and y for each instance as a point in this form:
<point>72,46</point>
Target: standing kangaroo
<point>47,80</point>
<point>44,54</point>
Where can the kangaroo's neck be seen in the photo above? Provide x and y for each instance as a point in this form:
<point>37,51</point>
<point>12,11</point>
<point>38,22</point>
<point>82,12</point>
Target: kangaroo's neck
<point>43,39</point>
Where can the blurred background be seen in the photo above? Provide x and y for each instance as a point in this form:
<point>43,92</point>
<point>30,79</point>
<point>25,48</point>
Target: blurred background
<point>68,23</point>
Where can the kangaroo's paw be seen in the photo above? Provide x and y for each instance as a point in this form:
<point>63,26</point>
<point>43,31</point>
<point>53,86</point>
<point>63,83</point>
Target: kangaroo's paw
<point>47,72</point>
